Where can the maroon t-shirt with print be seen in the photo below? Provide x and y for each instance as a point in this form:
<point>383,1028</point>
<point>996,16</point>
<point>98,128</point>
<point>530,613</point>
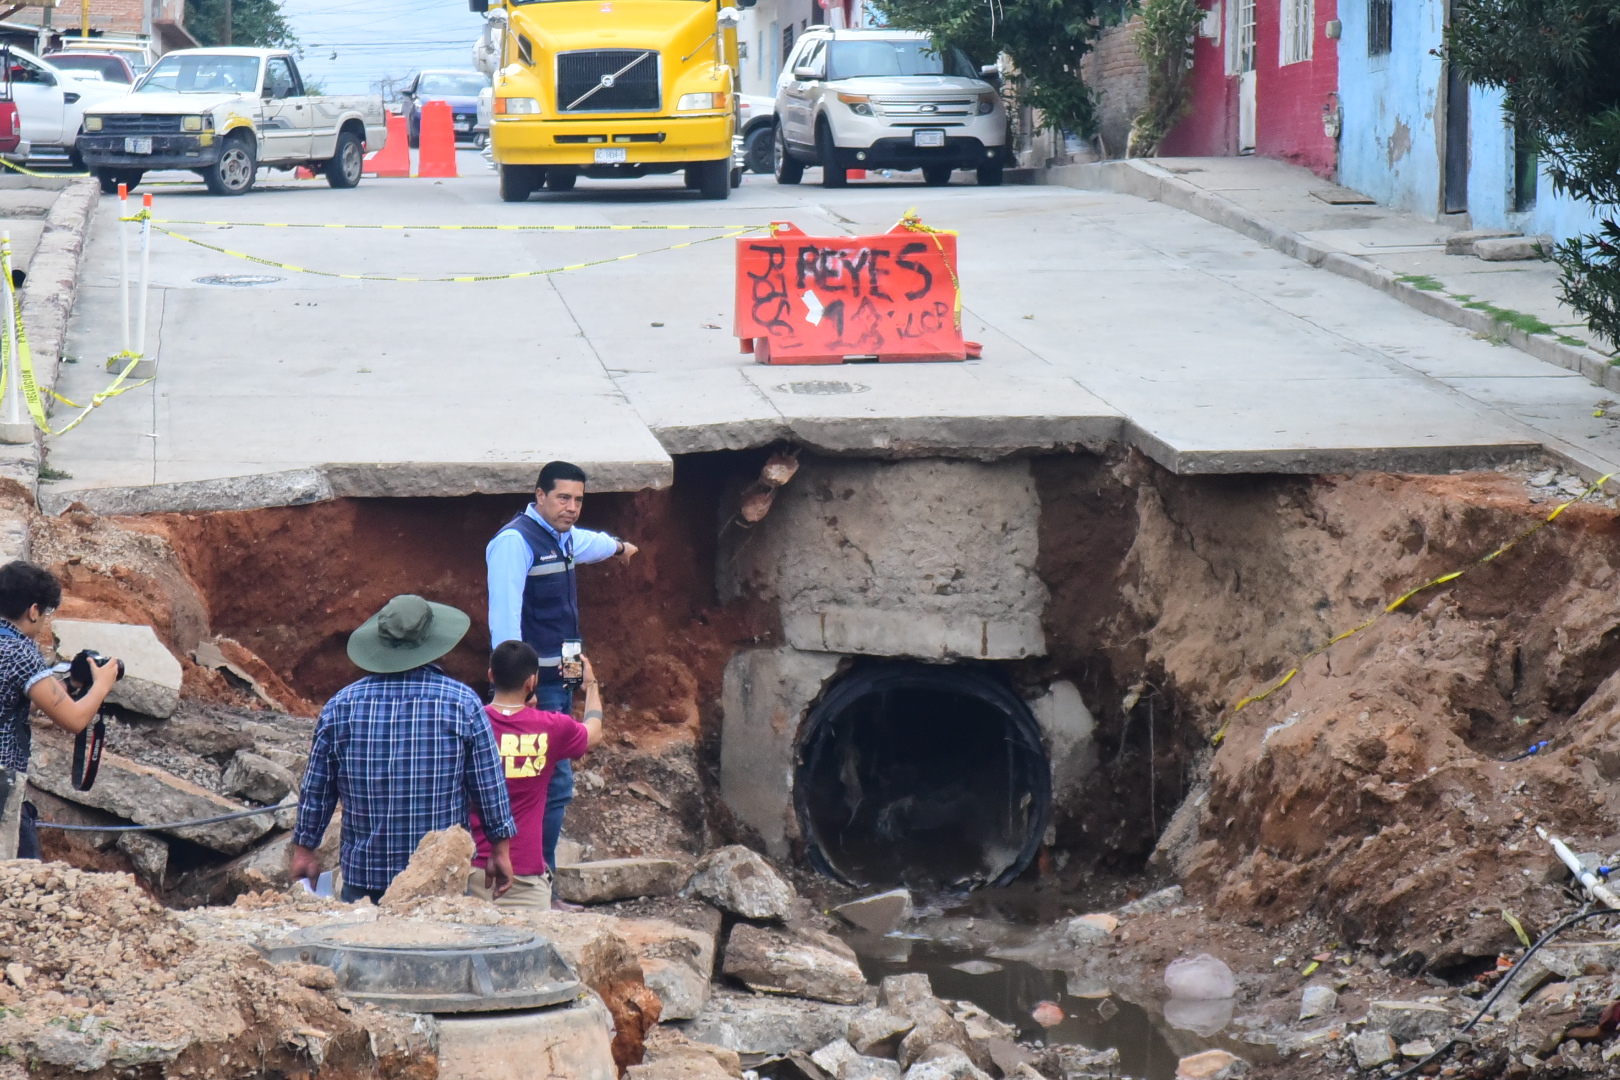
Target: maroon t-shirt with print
<point>531,743</point>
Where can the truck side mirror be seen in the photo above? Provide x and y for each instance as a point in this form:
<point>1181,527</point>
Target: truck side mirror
<point>991,74</point>
<point>728,19</point>
<point>478,6</point>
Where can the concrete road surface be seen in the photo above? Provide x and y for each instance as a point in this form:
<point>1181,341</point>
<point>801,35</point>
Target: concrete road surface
<point>1105,320</point>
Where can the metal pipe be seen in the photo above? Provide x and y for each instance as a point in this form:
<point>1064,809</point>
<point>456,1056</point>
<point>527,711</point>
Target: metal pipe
<point>1587,878</point>
<point>14,410</point>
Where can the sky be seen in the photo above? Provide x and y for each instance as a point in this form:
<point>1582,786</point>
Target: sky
<point>349,44</point>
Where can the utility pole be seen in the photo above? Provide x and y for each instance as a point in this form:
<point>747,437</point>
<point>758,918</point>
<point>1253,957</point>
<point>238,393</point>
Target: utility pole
<point>225,31</point>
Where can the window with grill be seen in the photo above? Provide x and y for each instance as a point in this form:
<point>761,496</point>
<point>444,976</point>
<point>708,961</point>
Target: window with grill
<point>1380,26</point>
<point>1298,30</point>
<point>1240,50</point>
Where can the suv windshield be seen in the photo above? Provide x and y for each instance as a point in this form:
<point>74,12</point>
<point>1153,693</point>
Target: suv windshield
<point>202,74</point>
<point>451,85</point>
<point>902,56</point>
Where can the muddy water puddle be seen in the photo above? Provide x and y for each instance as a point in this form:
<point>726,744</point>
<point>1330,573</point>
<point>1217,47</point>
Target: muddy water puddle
<point>1010,990</point>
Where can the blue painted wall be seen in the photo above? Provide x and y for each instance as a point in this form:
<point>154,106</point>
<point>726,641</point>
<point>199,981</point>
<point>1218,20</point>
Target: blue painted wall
<point>1393,129</point>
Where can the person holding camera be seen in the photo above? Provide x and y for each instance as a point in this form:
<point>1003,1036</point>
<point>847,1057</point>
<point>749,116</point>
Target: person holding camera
<point>28,595</point>
<point>533,598</point>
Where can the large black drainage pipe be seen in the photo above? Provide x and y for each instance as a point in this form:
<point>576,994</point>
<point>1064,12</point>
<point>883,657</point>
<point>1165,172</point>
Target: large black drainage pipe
<point>925,775</point>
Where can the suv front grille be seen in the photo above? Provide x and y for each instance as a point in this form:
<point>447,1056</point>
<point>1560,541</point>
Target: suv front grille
<point>132,124</point>
<point>608,80</point>
<point>913,108</point>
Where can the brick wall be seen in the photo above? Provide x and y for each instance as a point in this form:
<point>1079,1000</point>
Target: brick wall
<point>1115,74</point>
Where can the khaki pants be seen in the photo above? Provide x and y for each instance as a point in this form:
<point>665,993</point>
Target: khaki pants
<point>11,813</point>
<point>528,891</point>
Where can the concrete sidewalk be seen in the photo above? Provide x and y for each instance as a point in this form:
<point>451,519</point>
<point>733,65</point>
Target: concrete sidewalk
<point>1300,214</point>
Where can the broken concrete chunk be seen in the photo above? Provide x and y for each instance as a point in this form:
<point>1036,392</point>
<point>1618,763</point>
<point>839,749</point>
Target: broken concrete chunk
<point>1200,978</point>
<point>1317,1001</point>
<point>618,879</point>
<point>767,1024</point>
<point>877,1032</point>
<point>877,914</point>
<point>900,994</point>
<point>144,795</point>
<point>1154,901</point>
<point>148,854</point>
<point>251,776</point>
<point>1417,1048</point>
<point>869,1068</point>
<point>742,882</point>
<point>439,867</point>
<point>1372,1049</point>
<point>286,818</point>
<point>945,1062</point>
<point>1408,1020</point>
<point>1085,929</point>
<point>151,682</point>
<point>805,964</point>
<point>314,976</point>
<point>1211,1065</point>
<point>831,1058</point>
<point>1514,248</point>
<point>935,1026</point>
<point>1462,243</point>
<point>677,963</point>
<point>1076,1062</point>
<point>670,1055</point>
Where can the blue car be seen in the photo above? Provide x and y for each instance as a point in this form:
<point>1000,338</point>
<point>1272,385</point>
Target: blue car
<point>459,88</point>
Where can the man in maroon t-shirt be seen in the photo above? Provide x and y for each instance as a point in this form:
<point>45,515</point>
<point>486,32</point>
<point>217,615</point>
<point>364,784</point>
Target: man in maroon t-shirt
<point>531,743</point>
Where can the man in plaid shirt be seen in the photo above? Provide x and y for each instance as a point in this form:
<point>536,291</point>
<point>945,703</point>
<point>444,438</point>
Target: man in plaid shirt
<point>401,749</point>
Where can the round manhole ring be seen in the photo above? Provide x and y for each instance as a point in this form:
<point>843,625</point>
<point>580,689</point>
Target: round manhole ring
<point>238,281</point>
<point>821,386</point>
<point>389,936</point>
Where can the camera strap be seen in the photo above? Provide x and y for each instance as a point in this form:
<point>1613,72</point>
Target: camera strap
<point>87,754</point>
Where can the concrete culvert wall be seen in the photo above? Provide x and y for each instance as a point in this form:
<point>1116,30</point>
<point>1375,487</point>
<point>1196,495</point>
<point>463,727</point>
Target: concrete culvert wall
<point>926,775</point>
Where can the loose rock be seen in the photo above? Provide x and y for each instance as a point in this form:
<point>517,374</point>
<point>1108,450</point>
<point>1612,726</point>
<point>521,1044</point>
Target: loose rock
<point>1408,1020</point>
<point>805,964</point>
<point>1317,1001</point>
<point>768,1024</point>
<point>677,963</point>
<point>1154,901</point>
<point>1085,929</point>
<point>740,881</point>
<point>1211,1065</point>
<point>877,1032</point>
<point>945,1062</point>
<point>438,867</point>
<point>877,914</point>
<point>831,1057</point>
<point>1373,1048</point>
<point>618,879</point>
<point>253,776</point>
<point>899,994</point>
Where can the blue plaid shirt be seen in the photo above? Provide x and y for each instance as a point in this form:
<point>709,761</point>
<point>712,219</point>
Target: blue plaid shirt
<point>402,753</point>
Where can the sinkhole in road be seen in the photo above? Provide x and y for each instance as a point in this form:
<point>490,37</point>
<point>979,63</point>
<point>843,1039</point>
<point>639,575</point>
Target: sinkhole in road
<point>926,775</point>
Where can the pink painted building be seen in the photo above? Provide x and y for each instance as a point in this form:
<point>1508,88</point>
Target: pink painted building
<point>1265,80</point>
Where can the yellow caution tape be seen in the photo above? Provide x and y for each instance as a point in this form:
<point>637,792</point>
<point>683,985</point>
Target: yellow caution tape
<point>30,172</point>
<point>460,278</point>
<point>445,228</point>
<point>1518,927</point>
<point>1443,579</point>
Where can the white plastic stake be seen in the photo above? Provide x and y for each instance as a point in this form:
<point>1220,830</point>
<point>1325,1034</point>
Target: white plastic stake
<point>1593,883</point>
<point>123,260</point>
<point>146,260</point>
<point>14,395</point>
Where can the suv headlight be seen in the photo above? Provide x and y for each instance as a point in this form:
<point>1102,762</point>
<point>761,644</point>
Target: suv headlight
<point>92,123</point>
<point>701,101</point>
<point>859,104</point>
<point>987,103</point>
<point>516,106</point>
<point>193,123</point>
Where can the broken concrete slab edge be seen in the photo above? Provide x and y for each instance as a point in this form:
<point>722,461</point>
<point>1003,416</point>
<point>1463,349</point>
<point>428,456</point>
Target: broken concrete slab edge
<point>1147,181</point>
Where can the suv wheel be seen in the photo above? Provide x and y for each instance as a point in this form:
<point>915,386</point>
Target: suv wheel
<point>937,175</point>
<point>832,173</point>
<point>990,175</point>
<point>787,169</point>
<point>757,149</point>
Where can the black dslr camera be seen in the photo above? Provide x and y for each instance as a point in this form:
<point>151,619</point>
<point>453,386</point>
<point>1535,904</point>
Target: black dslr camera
<point>79,674</point>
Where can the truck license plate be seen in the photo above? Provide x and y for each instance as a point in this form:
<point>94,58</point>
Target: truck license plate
<point>463,124</point>
<point>928,138</point>
<point>138,146</point>
<point>612,155</point>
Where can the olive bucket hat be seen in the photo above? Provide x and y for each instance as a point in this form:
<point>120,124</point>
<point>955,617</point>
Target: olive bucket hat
<point>407,633</point>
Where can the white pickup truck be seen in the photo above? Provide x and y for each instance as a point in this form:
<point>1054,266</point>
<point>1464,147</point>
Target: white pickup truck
<point>224,113</point>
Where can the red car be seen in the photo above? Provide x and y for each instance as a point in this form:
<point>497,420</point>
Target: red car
<point>10,128</point>
<point>112,67</point>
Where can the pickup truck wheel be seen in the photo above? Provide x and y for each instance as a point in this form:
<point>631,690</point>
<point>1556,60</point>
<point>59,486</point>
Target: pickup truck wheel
<point>990,175</point>
<point>561,179</point>
<point>519,181</point>
<point>787,169</point>
<point>936,175</point>
<point>236,169</point>
<point>348,161</point>
<point>714,178</point>
<point>110,179</point>
<point>832,174</point>
<point>757,149</point>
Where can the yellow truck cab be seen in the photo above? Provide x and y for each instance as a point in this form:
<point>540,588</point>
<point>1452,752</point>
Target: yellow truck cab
<point>613,88</point>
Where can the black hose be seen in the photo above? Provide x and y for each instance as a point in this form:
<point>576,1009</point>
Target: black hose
<point>162,825</point>
<point>1502,985</point>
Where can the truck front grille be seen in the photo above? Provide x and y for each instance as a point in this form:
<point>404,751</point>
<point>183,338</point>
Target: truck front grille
<point>608,80</point>
<point>132,124</point>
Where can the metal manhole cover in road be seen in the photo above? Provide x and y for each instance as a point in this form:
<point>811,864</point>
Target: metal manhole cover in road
<point>821,387</point>
<point>238,281</point>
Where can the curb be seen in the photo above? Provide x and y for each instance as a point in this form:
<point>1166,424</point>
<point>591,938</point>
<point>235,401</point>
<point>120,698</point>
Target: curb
<point>1135,176</point>
<point>47,299</point>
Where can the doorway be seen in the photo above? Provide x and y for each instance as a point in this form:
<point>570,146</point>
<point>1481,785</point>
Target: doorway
<point>1247,104</point>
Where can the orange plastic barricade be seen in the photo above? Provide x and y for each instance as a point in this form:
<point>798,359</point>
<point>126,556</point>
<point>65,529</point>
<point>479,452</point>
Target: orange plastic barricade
<point>805,299</point>
<point>436,153</point>
<point>394,158</point>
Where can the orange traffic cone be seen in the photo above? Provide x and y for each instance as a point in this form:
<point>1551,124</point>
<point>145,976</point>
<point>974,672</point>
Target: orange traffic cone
<point>303,172</point>
<point>436,155</point>
<point>855,174</point>
<point>394,157</point>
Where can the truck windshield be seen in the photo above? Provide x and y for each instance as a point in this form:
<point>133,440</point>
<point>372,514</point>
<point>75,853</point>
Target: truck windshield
<point>446,85</point>
<point>202,73</point>
<point>905,56</point>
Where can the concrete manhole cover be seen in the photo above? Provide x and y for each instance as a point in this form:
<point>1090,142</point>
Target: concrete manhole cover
<point>238,281</point>
<point>821,387</point>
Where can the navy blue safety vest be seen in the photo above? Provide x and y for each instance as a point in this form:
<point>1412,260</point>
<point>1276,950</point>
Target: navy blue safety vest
<point>550,600</point>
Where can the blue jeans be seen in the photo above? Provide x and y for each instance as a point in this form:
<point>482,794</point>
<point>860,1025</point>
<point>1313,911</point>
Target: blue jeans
<point>555,697</point>
<point>351,893</point>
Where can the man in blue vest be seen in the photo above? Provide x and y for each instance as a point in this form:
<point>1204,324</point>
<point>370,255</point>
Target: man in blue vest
<point>533,598</point>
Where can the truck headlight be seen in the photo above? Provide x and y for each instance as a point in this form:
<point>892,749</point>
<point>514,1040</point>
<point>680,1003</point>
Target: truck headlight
<point>516,106</point>
<point>987,103</point>
<point>191,123</point>
<point>92,123</point>
<point>859,104</point>
<point>700,101</point>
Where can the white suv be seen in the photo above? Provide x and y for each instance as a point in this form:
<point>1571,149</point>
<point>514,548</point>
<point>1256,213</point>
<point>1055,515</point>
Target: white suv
<point>885,99</point>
